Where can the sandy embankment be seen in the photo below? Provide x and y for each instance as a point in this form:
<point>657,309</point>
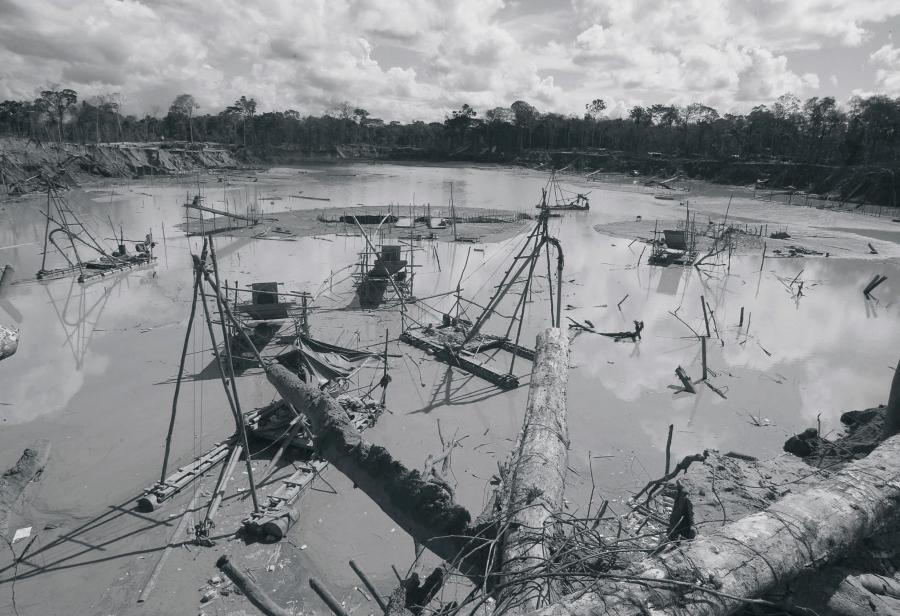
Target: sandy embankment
<point>812,230</point>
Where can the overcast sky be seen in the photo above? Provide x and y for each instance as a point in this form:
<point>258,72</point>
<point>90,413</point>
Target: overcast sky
<point>419,59</point>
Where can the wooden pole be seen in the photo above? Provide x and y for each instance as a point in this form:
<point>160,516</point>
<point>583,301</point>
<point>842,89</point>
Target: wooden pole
<point>222,485</point>
<point>763,262</point>
<point>187,339</point>
<point>703,355</point>
<point>538,467</point>
<point>179,531</point>
<point>892,414</point>
<point>226,342</point>
<point>251,589</point>
<point>669,444</point>
<point>327,597</point>
<point>741,322</point>
<point>705,315</point>
<point>369,586</point>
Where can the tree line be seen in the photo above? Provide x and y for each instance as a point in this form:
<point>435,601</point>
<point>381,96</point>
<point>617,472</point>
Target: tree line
<point>816,131</point>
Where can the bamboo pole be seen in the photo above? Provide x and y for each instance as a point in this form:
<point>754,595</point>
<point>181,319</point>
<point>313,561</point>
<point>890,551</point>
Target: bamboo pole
<point>226,342</point>
<point>187,339</point>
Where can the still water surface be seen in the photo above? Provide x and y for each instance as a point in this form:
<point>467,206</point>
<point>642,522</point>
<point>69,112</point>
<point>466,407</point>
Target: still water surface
<point>95,367</point>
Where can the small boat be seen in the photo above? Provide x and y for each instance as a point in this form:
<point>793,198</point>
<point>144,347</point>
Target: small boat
<point>437,223</point>
<point>405,223</point>
<point>664,197</point>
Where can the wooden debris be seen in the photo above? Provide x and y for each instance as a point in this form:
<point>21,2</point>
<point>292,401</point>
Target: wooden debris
<point>369,586</point>
<point>14,481</point>
<point>421,506</point>
<point>685,380</point>
<point>759,552</point>
<point>251,589</point>
<point>877,280</point>
<point>327,597</point>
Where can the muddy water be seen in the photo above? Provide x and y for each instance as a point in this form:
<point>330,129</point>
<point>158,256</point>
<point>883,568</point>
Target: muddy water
<point>96,364</point>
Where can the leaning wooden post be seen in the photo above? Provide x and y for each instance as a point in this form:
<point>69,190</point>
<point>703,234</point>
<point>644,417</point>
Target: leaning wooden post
<point>703,354</point>
<point>892,414</point>
<point>256,595</point>
<point>705,315</point>
<point>536,477</point>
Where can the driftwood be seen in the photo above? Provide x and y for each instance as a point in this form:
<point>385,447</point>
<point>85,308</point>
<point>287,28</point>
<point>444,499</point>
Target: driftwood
<point>746,559</point>
<point>685,380</point>
<point>877,280</point>
<point>537,470</point>
<point>251,589</point>
<point>422,506</point>
<point>9,341</point>
<point>13,482</point>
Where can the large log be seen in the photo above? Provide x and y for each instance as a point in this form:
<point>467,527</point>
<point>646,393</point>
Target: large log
<point>746,559</point>
<point>14,481</point>
<point>535,481</point>
<point>424,508</point>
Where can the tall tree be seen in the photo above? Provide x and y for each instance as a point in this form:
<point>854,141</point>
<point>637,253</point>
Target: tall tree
<point>183,106</point>
<point>595,108</point>
<point>57,103</point>
<point>246,109</point>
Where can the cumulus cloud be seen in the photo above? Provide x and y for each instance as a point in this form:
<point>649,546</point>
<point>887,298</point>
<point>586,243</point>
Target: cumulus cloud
<point>887,76</point>
<point>420,59</point>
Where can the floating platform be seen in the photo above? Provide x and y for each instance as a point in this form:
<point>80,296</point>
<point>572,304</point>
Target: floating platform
<point>95,269</point>
<point>277,515</point>
<point>441,350</point>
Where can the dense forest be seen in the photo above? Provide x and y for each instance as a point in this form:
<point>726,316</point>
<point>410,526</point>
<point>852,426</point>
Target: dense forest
<point>817,131</point>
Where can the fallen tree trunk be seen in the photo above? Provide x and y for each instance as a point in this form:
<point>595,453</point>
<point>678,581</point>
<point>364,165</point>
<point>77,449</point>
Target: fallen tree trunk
<point>14,481</point>
<point>256,595</point>
<point>746,559</point>
<point>535,479</point>
<point>423,507</point>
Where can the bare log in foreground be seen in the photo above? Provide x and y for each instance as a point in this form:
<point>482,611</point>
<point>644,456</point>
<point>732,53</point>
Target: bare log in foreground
<point>424,508</point>
<point>745,560</point>
<point>251,589</point>
<point>14,481</point>
<point>535,481</point>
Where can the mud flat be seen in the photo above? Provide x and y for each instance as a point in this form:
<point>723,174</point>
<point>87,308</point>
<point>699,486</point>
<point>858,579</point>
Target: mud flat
<point>474,224</point>
<point>810,231</point>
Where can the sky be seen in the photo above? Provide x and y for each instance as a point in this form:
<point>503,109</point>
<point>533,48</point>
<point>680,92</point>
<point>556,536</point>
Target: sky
<point>420,59</point>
